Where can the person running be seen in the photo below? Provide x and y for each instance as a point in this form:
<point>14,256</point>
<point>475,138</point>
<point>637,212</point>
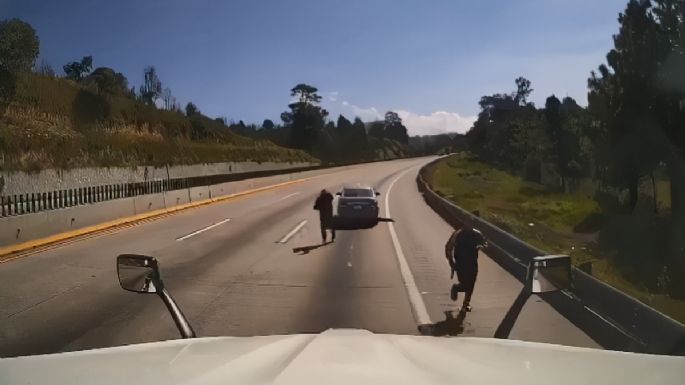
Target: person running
<point>324,203</point>
<point>461,251</point>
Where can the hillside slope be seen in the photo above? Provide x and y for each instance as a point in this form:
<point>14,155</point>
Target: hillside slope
<point>56,123</point>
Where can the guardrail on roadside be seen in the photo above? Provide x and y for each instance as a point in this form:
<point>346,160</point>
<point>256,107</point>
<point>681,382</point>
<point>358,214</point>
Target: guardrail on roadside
<point>28,203</point>
<point>612,318</point>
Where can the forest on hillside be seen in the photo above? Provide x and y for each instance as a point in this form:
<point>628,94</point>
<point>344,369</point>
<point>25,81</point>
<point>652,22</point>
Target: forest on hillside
<point>628,143</point>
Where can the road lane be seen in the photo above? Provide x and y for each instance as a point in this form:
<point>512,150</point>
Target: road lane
<point>236,279</point>
<point>423,234</point>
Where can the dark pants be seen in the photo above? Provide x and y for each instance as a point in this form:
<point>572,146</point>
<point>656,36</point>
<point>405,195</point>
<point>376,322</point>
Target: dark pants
<point>467,280</point>
<point>326,222</point>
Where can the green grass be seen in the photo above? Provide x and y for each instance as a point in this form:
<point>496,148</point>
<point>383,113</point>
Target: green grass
<point>56,123</point>
<point>552,221</point>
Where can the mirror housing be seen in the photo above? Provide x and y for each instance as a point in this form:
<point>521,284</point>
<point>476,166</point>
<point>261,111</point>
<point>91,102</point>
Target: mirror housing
<point>549,273</point>
<point>377,193</point>
<point>338,194</point>
<point>139,273</point>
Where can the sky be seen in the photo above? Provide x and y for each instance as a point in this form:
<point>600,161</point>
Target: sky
<point>430,61</point>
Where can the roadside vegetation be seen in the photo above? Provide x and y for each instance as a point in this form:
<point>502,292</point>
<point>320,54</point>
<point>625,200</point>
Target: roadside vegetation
<point>604,183</point>
<point>87,115</point>
<point>552,220</point>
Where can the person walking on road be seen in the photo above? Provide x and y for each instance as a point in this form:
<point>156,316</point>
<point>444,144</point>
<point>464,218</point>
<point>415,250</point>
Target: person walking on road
<point>324,203</point>
<point>461,251</point>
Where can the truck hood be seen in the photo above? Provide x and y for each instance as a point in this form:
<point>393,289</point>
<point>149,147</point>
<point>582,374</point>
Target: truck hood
<point>343,357</point>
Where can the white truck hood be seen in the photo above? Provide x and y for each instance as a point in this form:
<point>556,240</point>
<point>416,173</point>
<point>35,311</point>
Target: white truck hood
<point>343,357</point>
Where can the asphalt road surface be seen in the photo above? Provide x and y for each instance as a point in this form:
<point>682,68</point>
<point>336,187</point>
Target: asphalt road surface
<point>232,268</point>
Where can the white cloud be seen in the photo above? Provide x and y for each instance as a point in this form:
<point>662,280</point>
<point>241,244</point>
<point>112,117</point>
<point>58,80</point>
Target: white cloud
<point>439,122</point>
<point>333,96</point>
<point>365,114</point>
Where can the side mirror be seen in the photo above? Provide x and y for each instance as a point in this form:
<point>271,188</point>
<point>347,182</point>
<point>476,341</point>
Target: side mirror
<point>549,273</point>
<point>377,193</point>
<point>338,194</point>
<point>139,273</point>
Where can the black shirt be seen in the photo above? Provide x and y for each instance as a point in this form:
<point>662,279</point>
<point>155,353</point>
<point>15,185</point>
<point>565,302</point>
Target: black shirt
<point>324,203</point>
<point>465,243</point>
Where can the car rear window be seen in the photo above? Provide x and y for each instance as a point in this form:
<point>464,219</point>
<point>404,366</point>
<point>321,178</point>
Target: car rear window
<point>358,192</point>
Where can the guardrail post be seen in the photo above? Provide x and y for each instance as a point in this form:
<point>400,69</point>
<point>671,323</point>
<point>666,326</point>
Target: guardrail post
<point>21,204</point>
<point>33,202</point>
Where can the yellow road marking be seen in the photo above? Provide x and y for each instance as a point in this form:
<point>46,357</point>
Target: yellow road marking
<point>7,252</point>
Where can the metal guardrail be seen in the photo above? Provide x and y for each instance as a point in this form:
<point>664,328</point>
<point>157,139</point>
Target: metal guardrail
<point>34,202</point>
<point>29,203</point>
<point>612,318</point>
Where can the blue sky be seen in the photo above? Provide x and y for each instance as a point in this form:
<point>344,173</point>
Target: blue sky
<point>429,60</point>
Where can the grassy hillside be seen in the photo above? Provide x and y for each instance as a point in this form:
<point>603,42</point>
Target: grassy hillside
<point>55,123</point>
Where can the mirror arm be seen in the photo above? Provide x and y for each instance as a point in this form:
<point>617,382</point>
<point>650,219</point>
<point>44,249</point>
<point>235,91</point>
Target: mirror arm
<point>179,319</point>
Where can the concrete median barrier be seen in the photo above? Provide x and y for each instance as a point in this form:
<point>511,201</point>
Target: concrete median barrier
<point>198,193</point>
<point>150,202</point>
<point>176,197</point>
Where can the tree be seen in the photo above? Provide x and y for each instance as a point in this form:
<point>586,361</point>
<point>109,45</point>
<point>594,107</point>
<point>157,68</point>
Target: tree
<point>305,118</point>
<point>268,124</point>
<point>152,86</point>
<point>394,129</point>
<point>377,130</point>
<point>167,99</point>
<point>77,70</point>
<point>305,94</point>
<point>636,102</point>
<point>392,118</point>
<point>343,125</point>
<point>19,45</point>
<point>108,81</point>
<point>523,91</point>
<point>191,109</point>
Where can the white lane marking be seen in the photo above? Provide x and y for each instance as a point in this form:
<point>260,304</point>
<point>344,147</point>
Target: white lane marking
<point>287,196</point>
<point>292,232</point>
<point>202,230</point>
<point>415,299</point>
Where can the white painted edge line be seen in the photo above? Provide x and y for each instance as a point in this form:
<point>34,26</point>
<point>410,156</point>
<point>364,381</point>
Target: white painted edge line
<point>287,196</point>
<point>202,230</point>
<point>415,298</point>
<point>292,232</point>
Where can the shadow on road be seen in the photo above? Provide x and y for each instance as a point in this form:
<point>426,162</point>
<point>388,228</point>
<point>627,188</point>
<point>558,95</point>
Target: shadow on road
<point>357,224</point>
<point>306,249</point>
<point>509,320</point>
<point>451,326</point>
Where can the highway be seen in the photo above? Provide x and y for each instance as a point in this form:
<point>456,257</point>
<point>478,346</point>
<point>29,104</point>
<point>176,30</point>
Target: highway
<point>232,268</point>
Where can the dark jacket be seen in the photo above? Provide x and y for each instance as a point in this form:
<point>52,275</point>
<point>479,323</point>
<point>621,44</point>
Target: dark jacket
<point>461,249</point>
<point>324,203</point>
